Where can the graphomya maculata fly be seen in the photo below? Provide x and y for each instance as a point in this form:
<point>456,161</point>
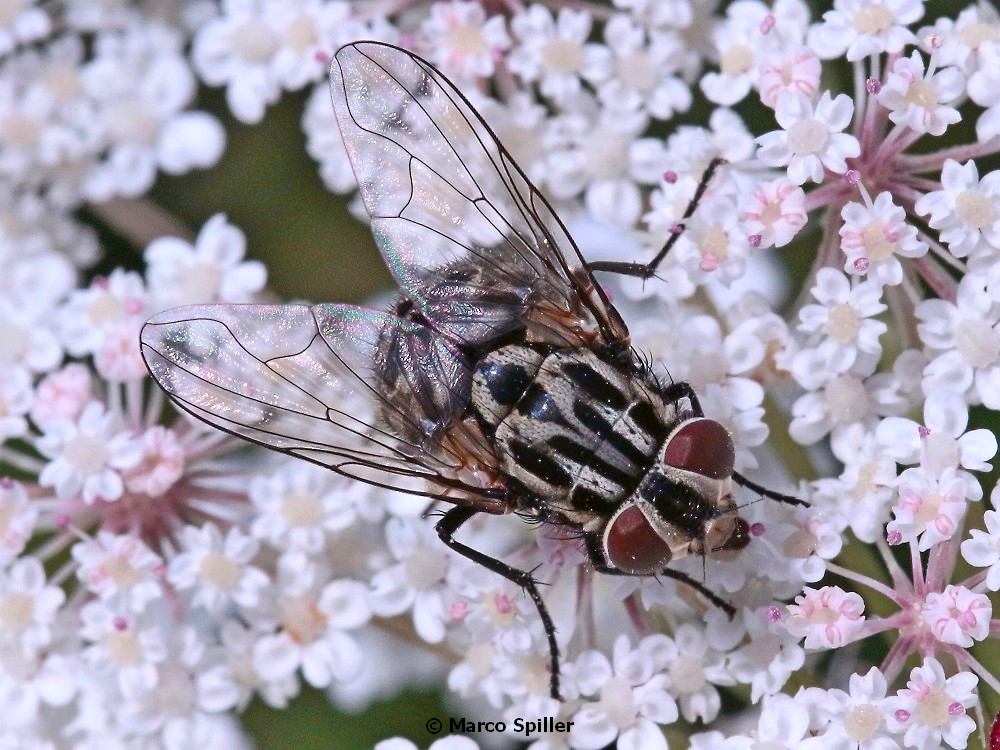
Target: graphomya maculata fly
<point>502,379</point>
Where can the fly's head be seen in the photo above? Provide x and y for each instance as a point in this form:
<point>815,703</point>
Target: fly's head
<point>683,506</point>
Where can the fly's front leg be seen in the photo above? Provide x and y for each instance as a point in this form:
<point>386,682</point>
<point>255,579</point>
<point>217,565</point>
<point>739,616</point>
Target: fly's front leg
<point>647,270</point>
<point>677,575</point>
<point>446,528</point>
<point>677,391</point>
<point>763,491</point>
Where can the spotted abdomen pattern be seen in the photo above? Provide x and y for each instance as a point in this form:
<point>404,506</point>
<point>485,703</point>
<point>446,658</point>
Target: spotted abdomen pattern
<point>569,426</point>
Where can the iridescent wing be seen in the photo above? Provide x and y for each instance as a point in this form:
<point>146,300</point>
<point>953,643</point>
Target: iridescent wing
<point>470,241</point>
<point>362,392</point>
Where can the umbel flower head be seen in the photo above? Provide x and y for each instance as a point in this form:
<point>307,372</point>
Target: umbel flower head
<point>834,300</point>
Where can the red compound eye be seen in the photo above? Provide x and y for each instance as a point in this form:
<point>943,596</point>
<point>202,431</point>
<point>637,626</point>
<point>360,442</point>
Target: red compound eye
<point>702,446</point>
<point>632,546</point>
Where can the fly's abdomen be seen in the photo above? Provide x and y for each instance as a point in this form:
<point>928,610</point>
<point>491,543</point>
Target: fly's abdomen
<point>581,434</point>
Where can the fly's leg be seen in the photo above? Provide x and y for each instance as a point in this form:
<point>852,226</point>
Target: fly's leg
<point>754,487</point>
<point>446,528</point>
<point>647,270</point>
<point>677,391</point>
<point>677,575</point>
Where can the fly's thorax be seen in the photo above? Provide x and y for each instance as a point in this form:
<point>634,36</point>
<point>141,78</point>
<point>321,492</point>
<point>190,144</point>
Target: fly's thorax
<point>580,435</point>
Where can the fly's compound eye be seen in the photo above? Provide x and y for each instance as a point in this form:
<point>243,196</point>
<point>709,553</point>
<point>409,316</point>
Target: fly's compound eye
<point>633,546</point>
<point>740,537</point>
<point>702,446</point>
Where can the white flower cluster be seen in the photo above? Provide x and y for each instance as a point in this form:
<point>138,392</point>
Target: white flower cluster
<point>153,581</point>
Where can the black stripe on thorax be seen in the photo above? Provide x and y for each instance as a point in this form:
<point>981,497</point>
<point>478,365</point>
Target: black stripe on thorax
<point>678,504</point>
<point>535,462</point>
<point>594,421</point>
<point>585,457</point>
<point>595,385</point>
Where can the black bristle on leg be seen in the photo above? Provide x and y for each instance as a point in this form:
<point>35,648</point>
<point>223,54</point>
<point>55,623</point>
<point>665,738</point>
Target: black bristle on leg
<point>446,528</point>
<point>648,270</point>
<point>764,492</point>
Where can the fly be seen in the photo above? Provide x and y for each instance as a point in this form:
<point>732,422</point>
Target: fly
<point>501,381</point>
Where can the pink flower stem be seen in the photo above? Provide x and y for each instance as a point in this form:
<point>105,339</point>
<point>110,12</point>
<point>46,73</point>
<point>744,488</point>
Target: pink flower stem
<point>894,660</point>
<point>899,139</point>
<point>860,97</point>
<point>133,403</point>
<point>876,625</point>
<point>866,581</point>
<point>921,183</point>
<point>937,279</point>
<point>941,561</point>
<point>154,408</point>
<point>585,605</point>
<point>994,627</point>
<point>970,661</point>
<point>831,192</point>
<point>636,614</point>
<point>916,569</point>
<point>933,161</point>
<point>899,578</point>
<point>55,545</point>
<point>976,582</point>
<point>942,254</point>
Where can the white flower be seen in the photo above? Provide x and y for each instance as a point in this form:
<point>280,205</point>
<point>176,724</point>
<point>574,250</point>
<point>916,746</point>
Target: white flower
<point>237,50</point>
<point>306,33</point>
<point>91,316</point>
<point>313,635</point>
<point>640,73</point>
<point>769,658</point>
<point>28,607</point>
<point>326,145</point>
<point>140,84</point>
<point>88,456</point>
<point>16,397</point>
<point>857,718</point>
<point>18,517</point>
<point>810,138</point>
<point>918,101</point>
<point>695,668</point>
<point>941,442</point>
<point>600,154</point>
<point>966,39</point>
<point>62,394</point>
<point>26,339</point>
<point>932,709</point>
<point>162,463</point>
<point>966,211</point>
<point>126,648</point>
<point>984,90</point>
<point>217,568</point>
<point>416,581</point>
<point>210,270</point>
<point>783,723</point>
<point>828,617</point>
<point>930,508</point>
<point>983,548</point>
<point>120,570</point>
<point>22,22</point>
<point>964,339</point>
<point>633,697</point>
<point>872,236</point>
<point>298,506</point>
<point>451,742</point>
<point>957,615</point>
<point>845,316</point>
<point>789,70</point>
<point>554,51</point>
<point>462,41</point>
<point>865,27</point>
<point>774,212</point>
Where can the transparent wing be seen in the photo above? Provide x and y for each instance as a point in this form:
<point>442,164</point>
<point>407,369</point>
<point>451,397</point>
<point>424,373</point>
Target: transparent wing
<point>362,392</point>
<point>470,241</point>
